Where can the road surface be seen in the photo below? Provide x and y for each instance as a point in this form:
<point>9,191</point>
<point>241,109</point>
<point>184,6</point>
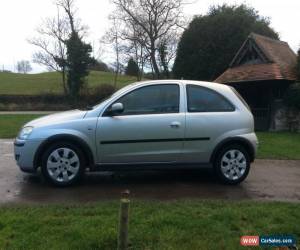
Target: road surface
<point>276,180</point>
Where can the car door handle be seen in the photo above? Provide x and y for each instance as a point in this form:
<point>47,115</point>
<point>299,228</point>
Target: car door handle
<point>175,125</point>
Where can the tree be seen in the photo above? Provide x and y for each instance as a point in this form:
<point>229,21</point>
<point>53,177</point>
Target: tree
<point>98,65</point>
<point>210,42</point>
<point>52,36</point>
<point>77,62</point>
<point>24,67</point>
<point>298,65</point>
<point>150,23</point>
<point>133,47</point>
<point>50,40</point>
<point>113,37</point>
<point>132,68</point>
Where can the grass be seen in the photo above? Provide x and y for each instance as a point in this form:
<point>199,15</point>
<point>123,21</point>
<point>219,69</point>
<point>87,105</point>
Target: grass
<point>11,124</point>
<point>280,145</point>
<point>283,145</point>
<point>152,225</point>
<point>50,82</point>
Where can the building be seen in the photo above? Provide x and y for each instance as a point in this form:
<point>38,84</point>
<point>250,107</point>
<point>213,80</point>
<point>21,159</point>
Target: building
<point>261,71</point>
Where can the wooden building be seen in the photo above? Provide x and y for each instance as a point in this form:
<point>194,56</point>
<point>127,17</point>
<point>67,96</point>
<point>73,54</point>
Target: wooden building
<point>261,71</point>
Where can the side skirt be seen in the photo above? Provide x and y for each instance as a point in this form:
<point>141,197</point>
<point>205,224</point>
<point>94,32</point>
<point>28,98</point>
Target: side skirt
<point>150,166</point>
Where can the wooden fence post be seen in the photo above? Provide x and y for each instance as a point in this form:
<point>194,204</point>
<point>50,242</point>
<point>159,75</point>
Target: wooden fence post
<point>123,221</point>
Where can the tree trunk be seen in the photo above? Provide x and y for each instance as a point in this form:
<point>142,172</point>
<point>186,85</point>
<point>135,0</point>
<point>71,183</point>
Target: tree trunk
<point>116,77</point>
<point>63,75</point>
<point>153,60</point>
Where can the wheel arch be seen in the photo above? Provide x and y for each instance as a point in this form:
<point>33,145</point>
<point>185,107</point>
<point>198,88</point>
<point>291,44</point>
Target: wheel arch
<point>66,138</point>
<point>233,140</point>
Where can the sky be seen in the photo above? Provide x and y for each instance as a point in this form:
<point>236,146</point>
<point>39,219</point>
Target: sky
<point>19,19</point>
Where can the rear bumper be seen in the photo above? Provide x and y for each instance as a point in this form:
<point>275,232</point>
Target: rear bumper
<point>24,154</point>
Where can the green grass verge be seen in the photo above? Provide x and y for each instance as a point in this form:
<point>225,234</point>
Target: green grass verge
<point>11,124</point>
<point>50,82</point>
<point>153,225</point>
<point>281,145</point>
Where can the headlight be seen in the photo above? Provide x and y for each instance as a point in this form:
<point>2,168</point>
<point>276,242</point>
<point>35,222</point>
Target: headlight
<point>25,132</point>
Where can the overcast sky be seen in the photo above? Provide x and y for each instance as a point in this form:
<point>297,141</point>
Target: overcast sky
<point>19,18</point>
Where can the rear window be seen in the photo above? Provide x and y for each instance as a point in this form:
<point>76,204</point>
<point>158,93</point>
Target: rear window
<point>201,99</point>
<point>241,98</point>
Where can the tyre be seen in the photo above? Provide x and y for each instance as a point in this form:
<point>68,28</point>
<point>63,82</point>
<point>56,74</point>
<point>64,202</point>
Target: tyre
<point>232,164</point>
<point>63,164</point>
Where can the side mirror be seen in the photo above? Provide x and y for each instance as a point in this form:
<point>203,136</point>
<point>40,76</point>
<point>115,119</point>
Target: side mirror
<point>116,108</point>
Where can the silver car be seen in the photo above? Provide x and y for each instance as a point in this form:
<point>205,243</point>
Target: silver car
<point>147,125</point>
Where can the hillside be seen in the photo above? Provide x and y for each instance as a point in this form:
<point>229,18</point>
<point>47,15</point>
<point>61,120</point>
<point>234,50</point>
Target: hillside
<point>31,84</point>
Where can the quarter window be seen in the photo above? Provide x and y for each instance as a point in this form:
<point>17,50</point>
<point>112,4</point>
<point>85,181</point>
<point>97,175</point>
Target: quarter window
<point>201,99</point>
<point>153,99</point>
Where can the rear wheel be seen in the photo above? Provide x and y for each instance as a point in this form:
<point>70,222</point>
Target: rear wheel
<point>232,164</point>
<point>63,164</point>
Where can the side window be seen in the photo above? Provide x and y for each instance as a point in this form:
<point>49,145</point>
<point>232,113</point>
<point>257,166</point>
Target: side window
<point>201,99</point>
<point>153,99</point>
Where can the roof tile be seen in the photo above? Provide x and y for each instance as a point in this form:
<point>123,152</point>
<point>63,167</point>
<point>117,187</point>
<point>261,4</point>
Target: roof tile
<point>283,64</point>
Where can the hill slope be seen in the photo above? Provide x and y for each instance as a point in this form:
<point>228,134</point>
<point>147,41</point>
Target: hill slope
<point>50,82</point>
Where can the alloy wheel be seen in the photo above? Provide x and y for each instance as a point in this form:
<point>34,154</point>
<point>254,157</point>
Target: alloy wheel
<point>233,164</point>
<point>63,165</point>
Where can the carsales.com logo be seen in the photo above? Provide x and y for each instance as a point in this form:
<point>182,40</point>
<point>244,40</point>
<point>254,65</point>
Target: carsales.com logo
<point>268,240</point>
<point>250,240</point>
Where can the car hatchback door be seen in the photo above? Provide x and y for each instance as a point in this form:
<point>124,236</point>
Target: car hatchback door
<point>149,130</point>
<point>209,115</point>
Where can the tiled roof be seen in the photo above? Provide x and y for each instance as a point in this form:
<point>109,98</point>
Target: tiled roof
<point>282,63</point>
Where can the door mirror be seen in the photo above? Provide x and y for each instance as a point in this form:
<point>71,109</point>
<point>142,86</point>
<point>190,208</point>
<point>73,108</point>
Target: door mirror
<point>116,108</point>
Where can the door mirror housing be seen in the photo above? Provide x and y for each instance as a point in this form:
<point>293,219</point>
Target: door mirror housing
<point>116,108</point>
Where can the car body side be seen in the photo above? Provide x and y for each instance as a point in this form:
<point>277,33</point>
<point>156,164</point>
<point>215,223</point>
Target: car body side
<point>203,132</point>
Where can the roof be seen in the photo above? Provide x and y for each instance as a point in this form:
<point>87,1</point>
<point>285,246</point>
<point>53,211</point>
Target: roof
<point>211,85</point>
<point>278,62</point>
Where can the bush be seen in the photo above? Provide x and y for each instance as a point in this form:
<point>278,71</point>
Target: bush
<point>52,102</point>
<point>298,65</point>
<point>99,66</point>
<point>100,92</point>
<point>132,68</point>
<point>292,96</point>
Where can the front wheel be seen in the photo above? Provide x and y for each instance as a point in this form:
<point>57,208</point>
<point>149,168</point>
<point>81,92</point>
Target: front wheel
<point>63,164</point>
<point>232,164</point>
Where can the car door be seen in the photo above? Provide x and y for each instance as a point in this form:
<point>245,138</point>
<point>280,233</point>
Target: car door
<point>149,130</point>
<point>209,115</point>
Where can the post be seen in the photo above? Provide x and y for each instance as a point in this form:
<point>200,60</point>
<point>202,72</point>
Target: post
<point>123,223</point>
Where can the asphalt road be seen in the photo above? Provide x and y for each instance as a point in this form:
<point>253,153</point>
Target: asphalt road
<point>268,180</point>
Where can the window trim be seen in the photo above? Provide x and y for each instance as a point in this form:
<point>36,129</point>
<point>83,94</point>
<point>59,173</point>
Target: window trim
<point>104,114</point>
<point>241,98</point>
<point>212,90</point>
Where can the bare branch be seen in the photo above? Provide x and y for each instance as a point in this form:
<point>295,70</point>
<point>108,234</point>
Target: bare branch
<point>149,24</point>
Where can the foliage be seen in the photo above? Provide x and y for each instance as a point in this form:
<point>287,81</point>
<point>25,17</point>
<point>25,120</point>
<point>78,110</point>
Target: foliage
<point>298,65</point>
<point>132,68</point>
<point>24,66</point>
<point>52,102</point>
<point>163,54</point>
<point>210,42</point>
<point>78,61</point>
<point>52,37</point>
<point>292,96</point>
<point>97,65</point>
<point>101,92</point>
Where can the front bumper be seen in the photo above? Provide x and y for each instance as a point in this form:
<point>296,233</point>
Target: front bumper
<point>25,152</point>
